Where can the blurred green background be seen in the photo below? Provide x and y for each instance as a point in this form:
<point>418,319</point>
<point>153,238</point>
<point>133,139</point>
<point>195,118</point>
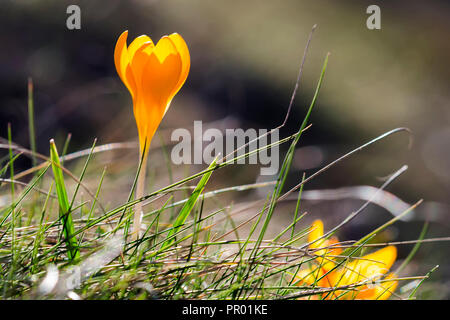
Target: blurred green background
<point>245,56</point>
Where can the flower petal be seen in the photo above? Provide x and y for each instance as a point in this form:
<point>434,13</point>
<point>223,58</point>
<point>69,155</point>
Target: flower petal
<point>378,262</point>
<point>335,251</point>
<point>311,276</point>
<point>369,267</point>
<point>159,77</point>
<point>137,43</point>
<point>183,50</point>
<point>306,276</point>
<point>385,289</point>
<point>377,291</point>
<point>122,63</point>
<point>161,73</point>
<point>142,114</point>
<point>316,233</point>
<point>140,59</point>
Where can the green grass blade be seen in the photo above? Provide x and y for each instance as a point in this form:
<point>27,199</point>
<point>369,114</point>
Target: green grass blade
<point>31,129</point>
<point>64,206</point>
<point>413,293</point>
<point>189,205</point>
<point>414,249</point>
<point>66,147</point>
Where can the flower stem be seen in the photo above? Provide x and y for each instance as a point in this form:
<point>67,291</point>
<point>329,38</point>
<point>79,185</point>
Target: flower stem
<point>138,213</point>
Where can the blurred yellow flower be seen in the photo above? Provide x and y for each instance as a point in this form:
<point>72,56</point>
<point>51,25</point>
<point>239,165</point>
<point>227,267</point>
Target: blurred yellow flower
<point>324,256</point>
<point>153,75</point>
<point>370,268</point>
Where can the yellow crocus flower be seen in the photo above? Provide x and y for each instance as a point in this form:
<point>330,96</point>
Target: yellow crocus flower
<point>152,75</point>
<point>371,268</point>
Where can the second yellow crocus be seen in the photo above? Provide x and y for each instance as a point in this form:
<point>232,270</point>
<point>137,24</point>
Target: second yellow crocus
<point>370,268</point>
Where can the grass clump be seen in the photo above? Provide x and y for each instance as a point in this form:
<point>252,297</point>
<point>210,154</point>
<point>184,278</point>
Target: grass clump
<point>51,247</point>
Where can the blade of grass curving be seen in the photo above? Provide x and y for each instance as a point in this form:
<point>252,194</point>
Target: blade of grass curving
<point>289,227</point>
<point>413,293</point>
<point>64,207</point>
<point>66,147</point>
<point>187,208</point>
<point>8,164</point>
<point>414,249</point>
